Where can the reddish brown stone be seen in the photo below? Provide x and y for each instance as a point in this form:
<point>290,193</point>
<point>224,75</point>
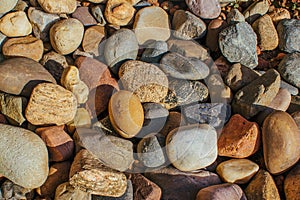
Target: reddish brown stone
<point>223,66</point>
<point>213,30</point>
<point>174,120</point>
<point>239,138</point>
<point>3,119</point>
<point>292,183</point>
<point>84,16</point>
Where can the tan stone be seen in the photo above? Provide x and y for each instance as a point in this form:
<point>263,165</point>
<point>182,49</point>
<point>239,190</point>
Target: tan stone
<point>292,183</point>
<point>6,6</point>
<point>278,14</point>
<point>119,12</point>
<point>58,6</point>
<point>213,30</point>
<point>50,104</point>
<point>81,119</point>
<point>66,192</point>
<point>92,38</point>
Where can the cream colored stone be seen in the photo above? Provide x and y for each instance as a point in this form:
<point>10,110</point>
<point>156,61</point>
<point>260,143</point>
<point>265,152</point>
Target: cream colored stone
<point>58,6</point>
<point>7,5</point>
<point>119,12</point>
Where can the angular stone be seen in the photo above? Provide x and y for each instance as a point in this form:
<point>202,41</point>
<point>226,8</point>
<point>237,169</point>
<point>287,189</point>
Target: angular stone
<point>84,16</point>
<point>6,6</point>
<point>289,70</point>
<point>279,14</point>
<point>119,12</point>
<point>280,142</point>
<point>2,40</point>
<point>128,195</point>
<point>92,38</point>
<point>144,189</point>
<point>257,95</point>
<point>204,9</point>
<point>213,30</point>
<point>50,104</point>
<point>288,32</point>
<point>97,12</point>
<point>10,190</point>
<point>67,192</point>
<point>292,89</point>
<point>238,44</point>
<point>29,155</point>
<point>292,184</point>
<point>28,47</point>
<point>235,16</point>
<point>81,119</point>
<point>58,6</point>
<point>218,91</point>
<point>255,10</point>
<point>154,52</point>
<point>174,120</point>
<point>17,74</point>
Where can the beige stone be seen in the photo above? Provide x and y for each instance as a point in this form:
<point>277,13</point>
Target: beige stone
<point>58,6</point>
<point>66,192</point>
<point>119,12</point>
<point>81,119</point>
<point>278,14</point>
<point>6,6</point>
<point>92,38</point>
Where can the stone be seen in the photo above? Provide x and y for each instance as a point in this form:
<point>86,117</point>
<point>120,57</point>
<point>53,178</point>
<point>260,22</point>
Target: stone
<point>92,38</point>
<point>145,80</point>
<point>174,120</point>
<point>6,6</point>
<point>2,40</point>
<point>84,16</point>
<point>41,22</point>
<point>225,191</point>
<point>29,155</point>
<point>15,24</point>
<point>119,47</point>
<point>238,171</point>
<point>288,69</point>
<point>178,185</point>
<point>291,183</point>
<point>58,7</point>
<point>128,195</point>
<point>17,74</point>
<point>204,8</point>
<point>294,105</point>
<point>235,16</point>
<point>59,144</point>
<point>147,27</point>
<point>143,188</point>
<point>21,6</point>
<point>50,104</point>
<point>218,91</point>
<point>87,173</point>
<point>288,32</point>
<point>10,190</point>
<point>239,138</point>
<point>192,147</point>
<point>255,10</point>
<point>296,117</point>
<point>119,12</point>
<point>154,52</point>
<point>97,12</point>
<point>187,26</point>
<point>13,107</point>
<point>126,113</point>
<point>292,89</point>
<point>3,119</point>
<point>214,114</point>
<point>280,142</point>
<point>66,35</point>
<point>213,30</point>
<point>222,65</point>
<point>66,192</point>
<point>279,14</point>
<point>262,186</point>
<point>120,154</point>
<point>178,66</point>
<point>239,76</point>
<point>28,47</point>
<point>257,95</point>
<point>82,119</point>
<point>238,44</point>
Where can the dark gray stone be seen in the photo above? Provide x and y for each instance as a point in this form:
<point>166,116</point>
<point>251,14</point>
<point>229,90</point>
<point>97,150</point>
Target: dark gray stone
<point>238,44</point>
<point>154,51</point>
<point>128,195</point>
<point>289,68</point>
<point>154,110</point>
<point>289,35</point>
<point>98,14</point>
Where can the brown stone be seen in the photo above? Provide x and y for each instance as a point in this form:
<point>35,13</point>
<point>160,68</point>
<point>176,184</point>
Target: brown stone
<point>119,12</point>
<point>29,47</point>
<point>3,121</point>
<point>239,138</point>
<point>84,16</point>
<point>278,14</point>
<point>174,120</point>
<point>82,119</point>
<point>292,183</point>
<point>92,38</point>
<point>58,6</point>
<point>213,30</point>
<point>296,117</point>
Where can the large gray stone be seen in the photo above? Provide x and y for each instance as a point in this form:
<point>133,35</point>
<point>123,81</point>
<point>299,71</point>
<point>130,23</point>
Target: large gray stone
<point>289,35</point>
<point>289,69</point>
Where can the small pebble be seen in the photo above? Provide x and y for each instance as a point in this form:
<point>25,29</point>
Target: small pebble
<point>279,14</point>
<point>235,16</point>
<point>82,119</point>
<point>84,16</point>
<point>213,30</point>
<point>119,12</point>
<point>58,6</point>
<point>204,8</point>
<point>97,12</point>
<point>289,70</point>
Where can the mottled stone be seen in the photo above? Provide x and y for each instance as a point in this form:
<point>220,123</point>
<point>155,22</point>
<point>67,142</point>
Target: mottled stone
<point>97,12</point>
<point>84,16</point>
<point>92,38</point>
<point>292,184</point>
<point>29,155</point>
<point>204,8</point>
<point>235,16</point>
<point>255,10</point>
<point>128,195</point>
<point>58,6</point>
<point>288,32</point>
<point>67,192</point>
<point>213,30</point>
<point>6,6</point>
<point>119,12</point>
<point>279,14</point>
<point>289,70</point>
<point>154,51</point>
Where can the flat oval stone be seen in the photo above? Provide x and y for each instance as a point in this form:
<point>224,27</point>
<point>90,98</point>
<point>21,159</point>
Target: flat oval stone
<point>281,140</point>
<point>58,6</point>
<point>178,66</point>
<point>17,73</point>
<point>204,8</point>
<point>23,154</point>
<point>289,70</point>
<point>6,6</point>
<point>50,104</point>
<point>192,147</point>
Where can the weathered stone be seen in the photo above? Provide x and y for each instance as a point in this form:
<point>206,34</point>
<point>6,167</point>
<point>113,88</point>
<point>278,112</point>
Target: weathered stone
<point>29,155</point>
<point>292,89</point>
<point>21,5</point>
<point>218,91</point>
<point>174,120</point>
<point>119,12</point>
<point>10,190</point>
<point>128,195</point>
<point>66,192</point>
<point>205,9</point>
<point>288,32</point>
<point>50,104</point>
<point>84,16</point>
<point>235,16</point>
<point>92,38</point>
<point>154,51</point>
<point>97,12</point>
<point>279,14</point>
<point>81,119</point>
<point>255,10</point>
<point>6,6</point>
<point>289,70</point>
<point>213,30</point>
<point>58,6</point>
<point>2,40</point>
<point>238,44</point>
<point>292,184</point>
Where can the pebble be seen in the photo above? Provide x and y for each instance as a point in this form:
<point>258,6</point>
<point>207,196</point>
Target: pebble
<point>126,113</point>
<point>143,79</point>
<point>178,185</point>
<point>50,104</point>
<point>218,91</point>
<point>192,147</point>
<point>154,52</point>
<point>174,120</point>
<point>235,16</point>
<point>238,171</point>
<point>296,117</point>
<point>119,12</point>
<point>266,33</point>
<point>280,142</point>
<point>128,195</point>
<point>178,66</point>
<point>66,192</point>
<point>97,12</point>
<point>213,30</point>
<point>92,38</point>
<point>204,8</point>
<point>240,138</point>
<point>82,119</point>
<point>29,153</point>
<point>288,32</point>
<point>18,47</point>
<point>279,14</point>
<point>255,10</point>
<point>66,35</point>
<point>292,184</point>
<point>238,44</point>
<point>6,6</point>
<point>147,27</point>
<point>10,190</point>
<point>17,73</point>
<point>262,186</point>
<point>257,95</point>
<point>41,22</point>
<point>84,16</point>
<point>292,89</point>
<point>225,191</point>
<point>119,47</point>
<point>15,24</point>
<point>187,26</point>
<point>295,104</point>
<point>289,70</point>
<point>58,6</point>
<point>22,5</point>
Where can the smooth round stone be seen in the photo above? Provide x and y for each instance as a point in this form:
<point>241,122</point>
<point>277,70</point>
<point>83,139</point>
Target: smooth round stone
<point>126,113</point>
<point>154,52</point>
<point>292,183</point>
<point>281,139</point>
<point>23,154</point>
<point>147,26</point>
<point>255,10</point>
<point>145,80</point>
<point>192,147</point>
<point>178,66</point>
<point>66,35</point>
<point>6,6</point>
<point>187,26</point>
<point>288,32</point>
<point>58,6</point>
<point>204,8</point>
<point>15,24</point>
<point>238,171</point>
<point>82,119</point>
<point>119,12</point>
<point>289,70</point>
